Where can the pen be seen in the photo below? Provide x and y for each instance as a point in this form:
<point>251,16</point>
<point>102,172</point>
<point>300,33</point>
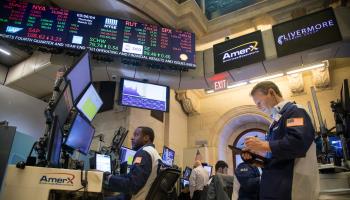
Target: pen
<point>250,136</point>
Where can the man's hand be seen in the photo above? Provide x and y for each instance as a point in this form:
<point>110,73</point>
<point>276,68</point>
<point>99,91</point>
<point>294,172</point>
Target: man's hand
<point>254,144</point>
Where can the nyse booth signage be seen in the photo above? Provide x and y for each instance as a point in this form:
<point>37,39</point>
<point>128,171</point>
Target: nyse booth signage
<point>57,179</point>
<point>306,32</point>
<point>235,53</point>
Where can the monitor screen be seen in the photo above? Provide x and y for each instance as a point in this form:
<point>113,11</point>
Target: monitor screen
<point>187,173</point>
<point>127,155</point>
<point>90,103</point>
<point>64,104</point>
<point>103,162</point>
<point>55,143</point>
<point>184,183</point>
<point>79,75</point>
<point>143,95</point>
<point>208,168</point>
<point>80,135</point>
<point>168,156</point>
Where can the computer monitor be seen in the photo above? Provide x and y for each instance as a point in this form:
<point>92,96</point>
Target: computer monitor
<point>127,155</point>
<point>184,183</point>
<point>89,103</point>
<point>80,134</point>
<point>143,95</point>
<point>54,144</point>
<point>79,75</point>
<point>209,169</point>
<point>187,173</point>
<point>103,162</point>
<point>64,104</point>
<point>168,156</point>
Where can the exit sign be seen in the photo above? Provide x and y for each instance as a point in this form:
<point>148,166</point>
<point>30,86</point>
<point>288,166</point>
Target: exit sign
<point>220,85</point>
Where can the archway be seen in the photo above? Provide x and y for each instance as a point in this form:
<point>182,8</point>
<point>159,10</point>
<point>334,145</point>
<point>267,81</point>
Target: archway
<point>231,124</point>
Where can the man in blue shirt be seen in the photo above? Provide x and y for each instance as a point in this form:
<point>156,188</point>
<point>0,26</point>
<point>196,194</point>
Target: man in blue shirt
<point>143,170</point>
<point>290,171</point>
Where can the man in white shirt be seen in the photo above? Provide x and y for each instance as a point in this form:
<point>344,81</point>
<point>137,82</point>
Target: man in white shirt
<point>198,179</point>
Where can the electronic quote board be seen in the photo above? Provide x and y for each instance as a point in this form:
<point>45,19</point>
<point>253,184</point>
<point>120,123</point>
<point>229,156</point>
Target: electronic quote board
<point>26,22</point>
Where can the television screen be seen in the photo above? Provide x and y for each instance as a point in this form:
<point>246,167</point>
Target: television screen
<point>54,144</point>
<point>127,155</point>
<point>143,95</point>
<point>79,75</point>
<point>80,135</point>
<point>90,103</point>
<point>168,156</point>
<point>184,183</point>
<point>187,173</point>
<point>64,104</point>
<point>306,32</point>
<point>208,168</point>
<point>103,162</point>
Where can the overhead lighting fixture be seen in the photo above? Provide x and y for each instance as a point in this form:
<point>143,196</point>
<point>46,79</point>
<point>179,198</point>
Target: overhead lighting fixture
<point>4,52</point>
<point>209,91</point>
<point>237,85</point>
<point>323,64</point>
<point>266,78</point>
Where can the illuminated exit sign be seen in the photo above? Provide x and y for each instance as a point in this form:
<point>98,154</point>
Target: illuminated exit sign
<point>220,85</point>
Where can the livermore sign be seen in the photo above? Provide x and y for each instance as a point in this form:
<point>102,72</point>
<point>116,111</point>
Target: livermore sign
<point>306,32</point>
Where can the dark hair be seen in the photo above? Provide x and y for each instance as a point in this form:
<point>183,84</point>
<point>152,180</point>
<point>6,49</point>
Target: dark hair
<point>264,88</point>
<point>220,164</point>
<point>147,131</point>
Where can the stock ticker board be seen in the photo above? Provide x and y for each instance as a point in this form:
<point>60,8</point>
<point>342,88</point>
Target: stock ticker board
<point>37,24</point>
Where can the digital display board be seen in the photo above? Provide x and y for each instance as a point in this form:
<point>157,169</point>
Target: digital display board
<point>58,27</point>
<point>306,32</point>
<point>237,52</point>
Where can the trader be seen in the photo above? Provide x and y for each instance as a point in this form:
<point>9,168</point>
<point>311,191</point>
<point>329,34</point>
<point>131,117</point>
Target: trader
<point>291,169</point>
<point>143,170</point>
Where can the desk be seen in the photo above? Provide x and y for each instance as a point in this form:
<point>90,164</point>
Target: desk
<point>37,182</point>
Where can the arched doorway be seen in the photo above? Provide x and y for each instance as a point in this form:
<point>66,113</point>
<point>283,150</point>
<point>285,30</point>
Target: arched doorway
<point>239,142</point>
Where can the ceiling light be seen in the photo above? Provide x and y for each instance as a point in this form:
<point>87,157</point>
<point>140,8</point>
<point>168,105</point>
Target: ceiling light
<point>323,64</point>
<point>266,78</point>
<point>4,52</point>
<point>237,85</point>
<point>209,91</point>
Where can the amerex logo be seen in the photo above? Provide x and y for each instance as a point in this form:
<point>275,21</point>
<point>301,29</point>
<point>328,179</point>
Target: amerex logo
<point>57,179</point>
<point>241,51</point>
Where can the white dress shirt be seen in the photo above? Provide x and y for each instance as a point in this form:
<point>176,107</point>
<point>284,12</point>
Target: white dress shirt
<point>198,179</point>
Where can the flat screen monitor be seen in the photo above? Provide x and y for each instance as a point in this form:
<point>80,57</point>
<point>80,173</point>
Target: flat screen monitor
<point>89,103</point>
<point>79,75</point>
<point>187,173</point>
<point>55,144</point>
<point>80,134</point>
<point>184,183</point>
<point>208,168</point>
<point>143,95</point>
<point>127,155</point>
<point>103,163</point>
<point>64,104</point>
<point>345,96</point>
<point>168,156</point>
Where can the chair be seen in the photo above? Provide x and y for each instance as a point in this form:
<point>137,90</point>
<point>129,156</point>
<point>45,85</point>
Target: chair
<point>163,185</point>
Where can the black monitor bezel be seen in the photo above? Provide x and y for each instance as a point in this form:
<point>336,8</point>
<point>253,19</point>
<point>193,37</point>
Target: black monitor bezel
<point>61,95</point>
<point>70,129</point>
<point>54,126</point>
<point>110,163</point>
<point>84,91</point>
<point>187,168</point>
<point>73,66</point>
<point>165,147</point>
<point>120,91</point>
